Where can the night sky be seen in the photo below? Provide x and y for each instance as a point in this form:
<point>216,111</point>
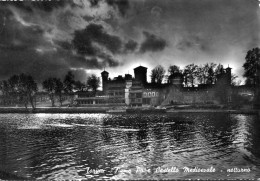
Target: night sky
<point>49,38</point>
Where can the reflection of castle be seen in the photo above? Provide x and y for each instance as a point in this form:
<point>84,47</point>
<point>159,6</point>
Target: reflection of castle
<point>136,91</point>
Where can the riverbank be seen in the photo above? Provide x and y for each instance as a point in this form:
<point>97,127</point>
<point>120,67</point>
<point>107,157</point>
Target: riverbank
<point>128,110</point>
<point>54,110</point>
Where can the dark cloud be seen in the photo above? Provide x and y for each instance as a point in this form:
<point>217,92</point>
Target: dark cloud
<point>79,60</point>
<point>109,61</point>
<point>24,49</point>
<point>121,5</point>
<point>98,35</point>
<point>152,43</point>
<point>51,37</point>
<point>88,18</point>
<point>94,3</point>
<point>47,6</point>
<point>41,64</point>
<point>131,46</point>
<point>21,5</point>
<point>82,43</point>
<point>93,33</point>
<point>13,47</point>
<point>14,35</point>
<point>64,44</point>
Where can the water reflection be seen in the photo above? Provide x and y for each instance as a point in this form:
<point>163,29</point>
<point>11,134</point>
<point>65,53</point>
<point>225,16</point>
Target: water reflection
<point>75,146</point>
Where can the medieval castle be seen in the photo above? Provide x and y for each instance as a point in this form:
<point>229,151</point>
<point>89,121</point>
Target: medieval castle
<point>136,91</point>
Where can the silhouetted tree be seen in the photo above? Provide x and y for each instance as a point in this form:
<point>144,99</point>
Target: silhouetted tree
<point>93,82</point>
<point>205,71</point>
<point>185,77</point>
<point>219,69</point>
<point>5,89</point>
<point>206,74</point>
<point>190,72</point>
<point>174,69</point>
<point>252,66</point>
<point>211,73</point>
<point>59,89</point>
<point>200,74</point>
<point>68,82</point>
<point>49,86</point>
<point>25,87</point>
<point>157,74</point>
<point>233,80</point>
<point>211,76</point>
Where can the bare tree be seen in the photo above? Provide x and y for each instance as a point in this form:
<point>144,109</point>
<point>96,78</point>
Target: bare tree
<point>190,72</point>
<point>219,69</point>
<point>93,82</point>
<point>200,74</point>
<point>25,87</point>
<point>205,74</point>
<point>5,89</point>
<point>157,74</point>
<point>59,89</point>
<point>49,86</point>
<point>234,80</point>
<point>68,82</point>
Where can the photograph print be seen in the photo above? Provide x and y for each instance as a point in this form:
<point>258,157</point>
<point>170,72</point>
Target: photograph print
<point>129,89</point>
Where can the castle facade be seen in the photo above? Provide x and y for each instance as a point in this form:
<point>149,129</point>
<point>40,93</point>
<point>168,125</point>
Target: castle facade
<point>136,91</point>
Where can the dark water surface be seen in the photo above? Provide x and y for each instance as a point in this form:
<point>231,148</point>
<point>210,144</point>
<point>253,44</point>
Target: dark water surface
<point>129,146</point>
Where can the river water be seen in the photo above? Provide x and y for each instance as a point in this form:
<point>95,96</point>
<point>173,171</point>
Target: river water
<point>130,146</point>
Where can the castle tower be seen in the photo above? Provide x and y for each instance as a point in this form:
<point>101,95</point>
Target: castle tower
<point>228,74</point>
<point>104,76</point>
<point>140,74</point>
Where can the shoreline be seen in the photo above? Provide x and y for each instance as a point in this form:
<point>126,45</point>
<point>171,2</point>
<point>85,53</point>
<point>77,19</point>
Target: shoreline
<point>129,110</point>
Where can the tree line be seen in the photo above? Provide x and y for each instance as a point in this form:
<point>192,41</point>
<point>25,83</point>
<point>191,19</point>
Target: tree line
<point>23,88</point>
<point>193,74</point>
